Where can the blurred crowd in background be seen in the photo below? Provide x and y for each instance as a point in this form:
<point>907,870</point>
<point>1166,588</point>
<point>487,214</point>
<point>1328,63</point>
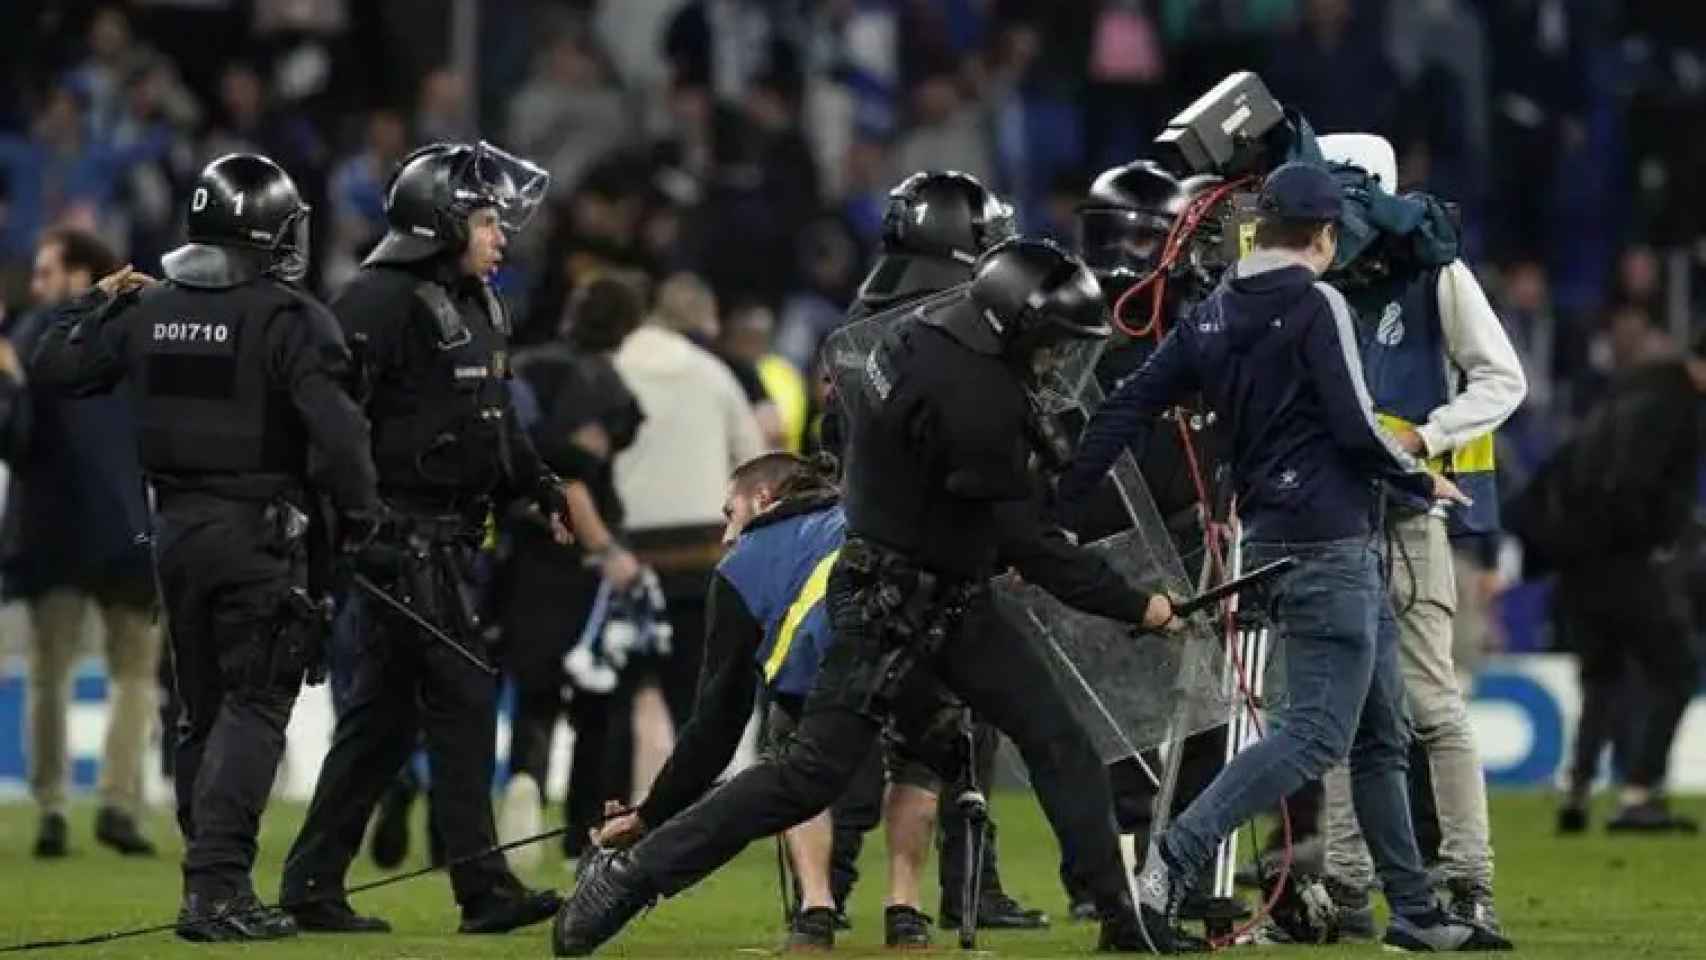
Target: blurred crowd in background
<point>732,157</point>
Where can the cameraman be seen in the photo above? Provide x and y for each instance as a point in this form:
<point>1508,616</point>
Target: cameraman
<point>1274,352</point>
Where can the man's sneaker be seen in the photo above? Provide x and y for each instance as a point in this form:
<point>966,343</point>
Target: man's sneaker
<point>1572,819</point>
<point>204,919</point>
<point>812,929</point>
<point>50,837</point>
<point>390,842</point>
<point>1160,890</point>
<point>1473,903</point>
<point>509,908</point>
<point>610,892</point>
<point>1355,912</point>
<point>1303,910</point>
<point>334,916</point>
<point>905,928</point>
<point>1435,932</point>
<point>116,829</point>
<point>520,815</point>
<point>1653,816</point>
<point>997,911</point>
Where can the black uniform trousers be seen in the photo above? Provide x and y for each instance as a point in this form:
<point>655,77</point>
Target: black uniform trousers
<point>406,683</point>
<point>1617,611</point>
<point>987,664</point>
<point>226,577</point>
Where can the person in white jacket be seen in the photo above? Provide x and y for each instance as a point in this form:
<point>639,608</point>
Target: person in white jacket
<point>698,427</point>
<point>1443,376</point>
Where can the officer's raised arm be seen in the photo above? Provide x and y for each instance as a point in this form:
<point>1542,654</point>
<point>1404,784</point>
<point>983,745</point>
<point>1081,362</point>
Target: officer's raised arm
<point>82,350</point>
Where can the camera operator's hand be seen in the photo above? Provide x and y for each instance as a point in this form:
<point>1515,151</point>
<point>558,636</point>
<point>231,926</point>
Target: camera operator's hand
<point>1444,489</point>
<point>552,497</point>
<point>623,829</point>
<point>1159,617</point>
<point>1410,440</point>
<point>126,279</point>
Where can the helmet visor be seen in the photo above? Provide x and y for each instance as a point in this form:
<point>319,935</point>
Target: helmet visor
<point>499,179</point>
<point>1111,240</point>
<point>1059,370</point>
<point>291,251</point>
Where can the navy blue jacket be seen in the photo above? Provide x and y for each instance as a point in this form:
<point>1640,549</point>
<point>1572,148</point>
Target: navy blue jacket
<point>1275,353</point>
<point>75,514</point>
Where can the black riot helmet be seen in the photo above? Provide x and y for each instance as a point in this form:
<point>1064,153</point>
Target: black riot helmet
<point>434,190</point>
<point>1124,222</point>
<point>1034,303</point>
<point>936,226</point>
<point>246,218</point>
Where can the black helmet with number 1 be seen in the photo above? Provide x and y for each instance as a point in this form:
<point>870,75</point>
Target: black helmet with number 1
<point>937,224</point>
<point>246,219</point>
<point>434,190</point>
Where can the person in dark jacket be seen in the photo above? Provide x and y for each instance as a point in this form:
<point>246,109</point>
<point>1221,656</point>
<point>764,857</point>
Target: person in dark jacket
<point>1603,513</point>
<point>1274,352</point>
<point>587,417</point>
<point>75,537</point>
<point>237,381</point>
<point>449,451</point>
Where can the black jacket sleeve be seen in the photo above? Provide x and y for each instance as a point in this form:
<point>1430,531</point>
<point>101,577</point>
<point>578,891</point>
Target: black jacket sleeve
<point>310,359</point>
<point>1076,576</point>
<point>82,351</point>
<point>728,686</point>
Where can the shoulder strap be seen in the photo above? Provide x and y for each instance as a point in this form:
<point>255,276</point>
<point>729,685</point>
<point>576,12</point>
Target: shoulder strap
<point>447,320</point>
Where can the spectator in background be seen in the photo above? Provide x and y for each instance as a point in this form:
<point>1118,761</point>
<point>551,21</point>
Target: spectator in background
<point>948,131</point>
<point>865,175</point>
<point>723,45</point>
<point>442,110</point>
<point>588,417</point>
<point>817,304</point>
<point>781,403</point>
<point>59,174</point>
<point>157,109</point>
<point>1332,70</point>
<point>75,537</point>
<point>357,194</point>
<point>570,113</point>
<point>699,427</point>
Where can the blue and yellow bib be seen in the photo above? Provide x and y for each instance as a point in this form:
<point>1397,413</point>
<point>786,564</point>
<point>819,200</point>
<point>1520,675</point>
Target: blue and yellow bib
<point>781,570</point>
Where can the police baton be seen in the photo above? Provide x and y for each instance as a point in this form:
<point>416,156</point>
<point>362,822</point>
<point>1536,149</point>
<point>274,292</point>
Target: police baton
<point>1214,594</point>
<point>383,596</point>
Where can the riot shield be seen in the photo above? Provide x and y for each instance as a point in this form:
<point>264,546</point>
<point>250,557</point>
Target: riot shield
<point>1130,691</point>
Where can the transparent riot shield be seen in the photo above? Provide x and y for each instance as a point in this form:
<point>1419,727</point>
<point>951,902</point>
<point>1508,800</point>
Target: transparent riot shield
<point>1131,691</point>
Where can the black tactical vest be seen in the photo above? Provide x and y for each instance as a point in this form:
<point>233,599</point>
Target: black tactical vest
<point>205,398</point>
<point>439,425</point>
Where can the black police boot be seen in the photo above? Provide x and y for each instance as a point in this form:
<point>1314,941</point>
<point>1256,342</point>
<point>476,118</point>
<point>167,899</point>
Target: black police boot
<point>905,928</point>
<point>610,892</point>
<point>205,919</point>
<point>334,916</point>
<point>117,829</point>
<point>50,837</point>
<point>812,929</point>
<point>1652,816</point>
<point>507,908</point>
<point>390,843</point>
<point>997,911</point>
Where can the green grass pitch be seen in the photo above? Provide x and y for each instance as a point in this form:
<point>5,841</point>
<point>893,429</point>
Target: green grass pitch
<point>1593,897</point>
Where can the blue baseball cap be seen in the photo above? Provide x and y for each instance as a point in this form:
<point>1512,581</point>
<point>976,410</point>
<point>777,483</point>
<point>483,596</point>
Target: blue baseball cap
<point>1300,191</point>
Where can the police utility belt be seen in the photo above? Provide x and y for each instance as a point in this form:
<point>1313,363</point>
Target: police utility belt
<point>911,610</point>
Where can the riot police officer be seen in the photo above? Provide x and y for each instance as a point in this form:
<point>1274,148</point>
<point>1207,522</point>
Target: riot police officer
<point>236,377</point>
<point>432,335</point>
<point>939,494</point>
<point>935,227</point>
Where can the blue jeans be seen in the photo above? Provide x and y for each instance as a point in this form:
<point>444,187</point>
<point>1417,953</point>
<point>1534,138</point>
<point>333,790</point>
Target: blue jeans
<point>1340,646</point>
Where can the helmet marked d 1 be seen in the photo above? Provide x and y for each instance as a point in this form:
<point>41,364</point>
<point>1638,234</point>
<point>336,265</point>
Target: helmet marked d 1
<point>244,201</point>
<point>938,222</point>
<point>436,188</point>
